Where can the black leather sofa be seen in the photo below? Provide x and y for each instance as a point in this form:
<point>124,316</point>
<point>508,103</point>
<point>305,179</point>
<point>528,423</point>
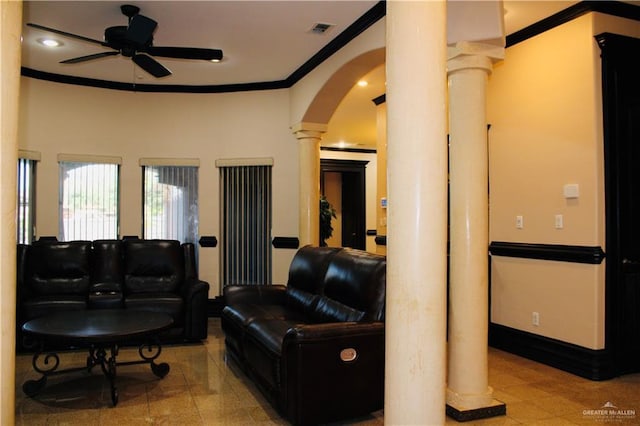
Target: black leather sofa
<point>155,275</point>
<point>314,347</point>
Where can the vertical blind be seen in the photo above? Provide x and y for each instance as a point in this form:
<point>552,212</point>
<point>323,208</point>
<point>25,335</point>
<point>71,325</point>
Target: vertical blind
<point>88,201</point>
<point>171,203</point>
<point>25,208</point>
<point>245,199</point>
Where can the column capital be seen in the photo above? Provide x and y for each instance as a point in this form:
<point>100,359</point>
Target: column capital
<point>305,130</point>
<point>468,55</point>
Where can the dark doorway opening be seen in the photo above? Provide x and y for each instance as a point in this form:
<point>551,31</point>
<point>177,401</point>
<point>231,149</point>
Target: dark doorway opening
<point>345,179</point>
<point>621,107</point>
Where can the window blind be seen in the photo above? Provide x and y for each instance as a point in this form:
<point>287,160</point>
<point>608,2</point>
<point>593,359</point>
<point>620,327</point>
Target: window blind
<point>88,201</point>
<point>171,203</point>
<point>245,199</point>
<point>25,208</point>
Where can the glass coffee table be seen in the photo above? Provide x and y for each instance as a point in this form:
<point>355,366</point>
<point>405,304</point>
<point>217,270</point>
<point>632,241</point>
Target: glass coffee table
<point>101,331</point>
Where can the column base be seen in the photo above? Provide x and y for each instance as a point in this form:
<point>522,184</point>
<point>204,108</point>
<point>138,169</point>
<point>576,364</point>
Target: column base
<point>494,409</point>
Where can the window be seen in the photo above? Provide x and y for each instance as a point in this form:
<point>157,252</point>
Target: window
<point>245,200</point>
<point>26,198</point>
<point>170,200</point>
<point>89,203</point>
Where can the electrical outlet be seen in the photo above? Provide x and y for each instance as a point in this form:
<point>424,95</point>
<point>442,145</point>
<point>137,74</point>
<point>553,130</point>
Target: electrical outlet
<point>535,318</point>
<point>519,222</point>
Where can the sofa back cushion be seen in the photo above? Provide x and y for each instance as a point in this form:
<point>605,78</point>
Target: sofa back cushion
<point>56,267</point>
<point>354,288</point>
<point>107,262</point>
<point>306,276</point>
<point>153,266</point>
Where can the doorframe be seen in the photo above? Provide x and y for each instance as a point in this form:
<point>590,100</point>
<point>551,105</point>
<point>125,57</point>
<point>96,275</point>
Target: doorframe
<point>359,168</point>
<point>612,47</point>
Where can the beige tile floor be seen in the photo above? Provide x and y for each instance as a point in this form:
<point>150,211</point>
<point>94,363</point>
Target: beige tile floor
<point>202,389</point>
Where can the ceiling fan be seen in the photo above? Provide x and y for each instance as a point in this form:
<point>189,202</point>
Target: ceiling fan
<point>136,42</point>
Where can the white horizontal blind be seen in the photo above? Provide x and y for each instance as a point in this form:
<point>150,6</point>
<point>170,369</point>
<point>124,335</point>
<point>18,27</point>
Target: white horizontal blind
<point>25,208</point>
<point>171,203</point>
<point>88,201</point>
<point>245,199</point>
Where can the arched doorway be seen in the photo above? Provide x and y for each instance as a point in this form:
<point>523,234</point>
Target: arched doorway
<point>352,180</point>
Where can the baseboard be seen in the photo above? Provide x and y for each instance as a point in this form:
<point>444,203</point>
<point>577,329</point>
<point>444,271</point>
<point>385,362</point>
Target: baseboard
<point>588,363</point>
<point>498,408</point>
<point>214,307</point>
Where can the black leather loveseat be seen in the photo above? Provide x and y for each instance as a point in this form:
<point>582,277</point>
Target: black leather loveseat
<point>314,347</point>
<point>156,275</point>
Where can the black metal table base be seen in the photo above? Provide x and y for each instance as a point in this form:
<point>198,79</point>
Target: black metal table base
<point>47,363</point>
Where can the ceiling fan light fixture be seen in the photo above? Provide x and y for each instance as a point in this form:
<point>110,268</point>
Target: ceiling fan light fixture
<point>49,42</point>
<point>134,41</point>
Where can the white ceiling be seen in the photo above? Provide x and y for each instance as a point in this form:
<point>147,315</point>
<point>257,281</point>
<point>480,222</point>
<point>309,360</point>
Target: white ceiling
<point>262,41</point>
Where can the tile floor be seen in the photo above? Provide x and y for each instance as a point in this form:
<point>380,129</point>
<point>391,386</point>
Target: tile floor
<point>201,389</point>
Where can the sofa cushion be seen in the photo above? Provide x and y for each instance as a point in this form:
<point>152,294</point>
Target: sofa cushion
<point>153,266</point>
<point>244,313</point>
<point>107,263</point>
<point>329,310</point>
<point>357,280</point>
<point>55,267</point>
<point>308,267</point>
<point>270,332</point>
<point>301,301</point>
<point>263,351</point>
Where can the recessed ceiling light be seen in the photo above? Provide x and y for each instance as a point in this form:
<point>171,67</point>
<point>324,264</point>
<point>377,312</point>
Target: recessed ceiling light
<point>50,42</point>
<point>363,83</point>
<point>215,61</point>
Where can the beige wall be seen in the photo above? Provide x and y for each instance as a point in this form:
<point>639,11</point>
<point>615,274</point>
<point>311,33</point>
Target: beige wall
<point>57,118</point>
<point>544,108</point>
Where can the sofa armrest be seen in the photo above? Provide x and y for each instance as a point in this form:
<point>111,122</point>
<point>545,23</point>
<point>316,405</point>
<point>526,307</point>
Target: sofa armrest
<point>255,294</point>
<point>332,371</point>
<point>196,296</point>
<point>331,331</point>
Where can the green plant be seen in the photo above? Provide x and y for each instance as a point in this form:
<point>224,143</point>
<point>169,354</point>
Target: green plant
<point>327,212</point>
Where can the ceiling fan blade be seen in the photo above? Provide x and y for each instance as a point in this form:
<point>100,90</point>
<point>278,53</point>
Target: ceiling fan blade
<point>141,30</point>
<point>66,34</point>
<point>150,65</point>
<point>185,52</point>
<point>89,57</point>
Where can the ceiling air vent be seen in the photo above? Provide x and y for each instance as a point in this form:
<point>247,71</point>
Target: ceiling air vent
<point>321,28</point>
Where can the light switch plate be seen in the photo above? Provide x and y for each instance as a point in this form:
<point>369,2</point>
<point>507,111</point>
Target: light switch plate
<point>571,190</point>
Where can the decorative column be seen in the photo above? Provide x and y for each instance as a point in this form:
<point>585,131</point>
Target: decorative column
<point>309,135</point>
<point>10,31</point>
<point>415,358</point>
<point>468,393</point>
